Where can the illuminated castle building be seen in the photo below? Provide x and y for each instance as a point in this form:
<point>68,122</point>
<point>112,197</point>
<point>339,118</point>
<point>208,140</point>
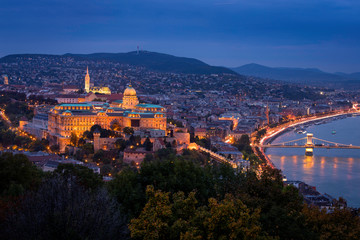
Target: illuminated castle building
<point>68,118</point>
<point>6,80</point>
<point>102,90</point>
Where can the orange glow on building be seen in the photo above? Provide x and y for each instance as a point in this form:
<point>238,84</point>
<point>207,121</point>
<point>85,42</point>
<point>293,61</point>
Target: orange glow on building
<point>65,119</point>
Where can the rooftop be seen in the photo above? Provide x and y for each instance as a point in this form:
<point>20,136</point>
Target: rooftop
<point>146,105</point>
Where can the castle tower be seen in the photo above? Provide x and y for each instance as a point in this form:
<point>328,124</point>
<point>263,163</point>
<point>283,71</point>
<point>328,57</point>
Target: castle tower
<point>87,80</point>
<point>130,99</point>
<point>96,140</point>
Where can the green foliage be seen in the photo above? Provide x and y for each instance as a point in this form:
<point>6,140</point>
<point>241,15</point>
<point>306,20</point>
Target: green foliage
<point>129,191</point>
<point>55,148</point>
<point>128,130</point>
<point>95,127</point>
<point>115,126</point>
<point>169,197</point>
<point>297,93</point>
<point>135,140</point>
<point>148,144</point>
<point>99,156</point>
<point>9,138</point>
<point>153,221</point>
<point>73,139</point>
<point>271,210</point>
<point>17,174</point>
<point>180,218</point>
<point>121,144</point>
<point>83,175</point>
<point>88,148</point>
<point>260,134</point>
<point>63,209</point>
<point>15,110</point>
<point>340,224</point>
<point>148,158</point>
<point>88,135</point>
<point>81,142</point>
<point>204,142</point>
<point>38,145</point>
<point>105,170</point>
<point>165,153</point>
<point>168,175</point>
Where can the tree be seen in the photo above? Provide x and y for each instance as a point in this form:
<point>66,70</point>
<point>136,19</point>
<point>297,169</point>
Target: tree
<point>88,135</point>
<point>36,146</point>
<point>135,140</point>
<point>94,127</point>
<point>340,224</point>
<point>153,221</point>
<point>106,169</point>
<point>120,144</point>
<point>231,219</point>
<point>260,134</point>
<point>148,157</point>
<point>63,209</point>
<point>99,155</point>
<point>81,142</point>
<point>162,218</point>
<point>129,191</point>
<point>88,148</point>
<point>148,144</point>
<point>73,139</point>
<point>128,130</point>
<point>16,171</point>
<point>244,139</point>
<point>55,148</point>
<point>115,126</point>
<point>79,155</point>
<point>243,144</point>
<point>83,175</point>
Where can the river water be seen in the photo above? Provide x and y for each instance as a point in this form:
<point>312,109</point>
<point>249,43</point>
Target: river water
<point>332,171</point>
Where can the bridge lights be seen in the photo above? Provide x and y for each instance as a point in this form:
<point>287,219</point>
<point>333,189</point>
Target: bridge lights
<point>309,151</point>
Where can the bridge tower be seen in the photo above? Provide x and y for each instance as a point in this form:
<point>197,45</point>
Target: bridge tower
<point>309,150</point>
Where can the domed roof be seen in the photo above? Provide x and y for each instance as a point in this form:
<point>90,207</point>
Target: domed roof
<point>129,91</point>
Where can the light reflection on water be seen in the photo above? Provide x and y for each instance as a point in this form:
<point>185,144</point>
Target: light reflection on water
<point>332,171</point>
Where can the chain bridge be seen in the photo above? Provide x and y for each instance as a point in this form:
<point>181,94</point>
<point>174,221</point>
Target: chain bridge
<point>309,143</point>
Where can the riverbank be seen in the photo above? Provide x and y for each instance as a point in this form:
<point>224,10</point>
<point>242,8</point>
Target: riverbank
<point>333,171</point>
<point>274,133</point>
<point>279,130</point>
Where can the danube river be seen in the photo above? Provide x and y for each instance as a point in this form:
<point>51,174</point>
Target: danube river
<point>332,171</point>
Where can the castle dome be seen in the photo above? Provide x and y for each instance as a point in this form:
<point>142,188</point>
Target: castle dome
<point>129,91</point>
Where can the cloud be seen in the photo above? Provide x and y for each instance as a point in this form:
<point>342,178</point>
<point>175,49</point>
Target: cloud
<point>267,29</point>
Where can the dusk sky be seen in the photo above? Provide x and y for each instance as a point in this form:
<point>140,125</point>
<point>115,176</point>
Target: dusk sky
<point>291,33</point>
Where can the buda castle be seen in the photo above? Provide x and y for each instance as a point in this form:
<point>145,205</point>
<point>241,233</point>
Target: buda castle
<point>67,118</point>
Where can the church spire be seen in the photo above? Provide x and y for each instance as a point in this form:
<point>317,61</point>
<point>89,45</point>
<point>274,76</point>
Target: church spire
<point>87,80</point>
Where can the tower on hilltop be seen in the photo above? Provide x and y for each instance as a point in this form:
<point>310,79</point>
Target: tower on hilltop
<point>87,80</point>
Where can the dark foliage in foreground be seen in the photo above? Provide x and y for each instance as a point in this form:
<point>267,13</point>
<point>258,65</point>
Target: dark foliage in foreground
<point>169,197</point>
<point>63,209</point>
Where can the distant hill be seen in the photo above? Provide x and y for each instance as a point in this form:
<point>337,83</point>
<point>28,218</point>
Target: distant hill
<point>308,76</point>
<point>151,60</point>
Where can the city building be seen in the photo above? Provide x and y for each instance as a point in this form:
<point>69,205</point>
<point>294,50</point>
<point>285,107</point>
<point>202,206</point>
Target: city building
<point>67,118</point>
<point>6,80</point>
